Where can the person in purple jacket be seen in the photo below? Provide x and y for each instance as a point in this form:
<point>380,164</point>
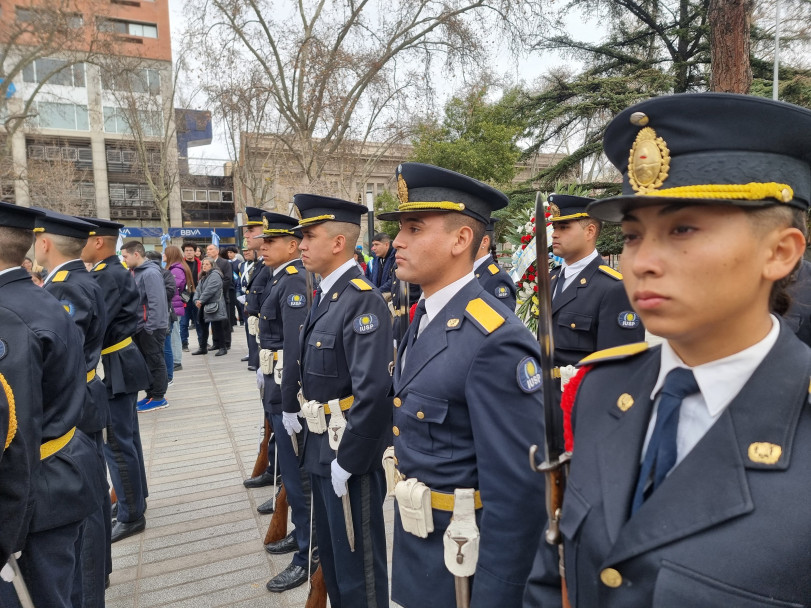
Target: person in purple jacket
<point>182,274</point>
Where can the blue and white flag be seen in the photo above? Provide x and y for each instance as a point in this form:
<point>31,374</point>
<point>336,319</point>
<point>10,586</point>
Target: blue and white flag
<point>215,240</point>
<point>118,244</point>
<point>165,240</point>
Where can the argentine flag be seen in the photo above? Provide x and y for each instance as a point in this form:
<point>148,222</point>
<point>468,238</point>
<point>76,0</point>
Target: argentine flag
<point>215,240</point>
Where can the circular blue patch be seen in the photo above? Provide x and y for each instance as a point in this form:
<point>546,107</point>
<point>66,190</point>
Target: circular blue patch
<point>502,292</point>
<point>628,319</point>
<point>529,375</point>
<point>68,306</point>
<point>296,300</point>
<point>3,348</point>
<point>365,323</point>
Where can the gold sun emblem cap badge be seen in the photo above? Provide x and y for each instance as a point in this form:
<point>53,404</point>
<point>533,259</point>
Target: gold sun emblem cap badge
<point>649,162</point>
<point>402,189</point>
<point>554,210</point>
<point>264,223</point>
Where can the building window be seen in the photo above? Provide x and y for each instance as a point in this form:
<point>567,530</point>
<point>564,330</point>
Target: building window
<point>142,80</point>
<point>187,195</point>
<point>52,115</point>
<point>116,121</point>
<point>129,28</point>
<point>32,15</point>
<point>55,71</point>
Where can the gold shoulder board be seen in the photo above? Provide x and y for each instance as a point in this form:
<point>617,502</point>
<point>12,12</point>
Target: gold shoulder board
<point>101,266</point>
<point>493,269</point>
<point>484,316</point>
<point>611,272</point>
<point>60,276</point>
<point>361,285</point>
<point>291,269</point>
<point>614,354</point>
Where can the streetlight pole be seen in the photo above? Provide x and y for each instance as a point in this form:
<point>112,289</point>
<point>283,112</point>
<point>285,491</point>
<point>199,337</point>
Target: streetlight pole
<point>775,80</point>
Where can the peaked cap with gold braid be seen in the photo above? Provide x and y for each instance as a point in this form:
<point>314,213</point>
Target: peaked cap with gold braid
<point>425,188</point>
<point>565,207</point>
<point>315,209</point>
<point>276,224</point>
<point>709,149</point>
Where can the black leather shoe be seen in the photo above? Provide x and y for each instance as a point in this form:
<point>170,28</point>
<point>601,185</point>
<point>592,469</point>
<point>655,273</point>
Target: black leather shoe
<point>265,479</point>
<point>251,368</point>
<point>266,508</point>
<point>287,545</point>
<point>245,358</point>
<point>114,510</point>
<point>221,352</point>
<point>290,578</point>
<point>122,529</point>
<point>200,351</point>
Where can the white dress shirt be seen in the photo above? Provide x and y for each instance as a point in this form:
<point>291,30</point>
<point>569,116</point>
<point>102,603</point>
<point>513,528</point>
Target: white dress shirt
<point>328,281</point>
<point>2,272</point>
<point>281,267</point>
<point>572,270</point>
<point>480,261</point>
<point>719,381</point>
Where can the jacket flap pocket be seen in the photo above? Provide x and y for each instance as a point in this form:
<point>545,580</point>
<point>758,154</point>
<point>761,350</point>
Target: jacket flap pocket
<point>425,408</point>
<point>575,321</point>
<point>320,339</point>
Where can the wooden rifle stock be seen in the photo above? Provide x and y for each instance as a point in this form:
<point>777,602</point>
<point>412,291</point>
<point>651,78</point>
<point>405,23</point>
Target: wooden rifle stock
<point>113,497</point>
<point>317,597</point>
<point>261,464</point>
<point>277,529</point>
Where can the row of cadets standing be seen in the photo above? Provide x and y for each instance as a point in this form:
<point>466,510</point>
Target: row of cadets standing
<point>125,373</point>
<point>44,367</point>
<point>283,311</point>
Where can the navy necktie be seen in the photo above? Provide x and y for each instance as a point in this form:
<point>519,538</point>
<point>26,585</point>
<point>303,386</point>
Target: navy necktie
<point>316,302</point>
<point>661,454</point>
<point>418,314</point>
<point>560,283</point>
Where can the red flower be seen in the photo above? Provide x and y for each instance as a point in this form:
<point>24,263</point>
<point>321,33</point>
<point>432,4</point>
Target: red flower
<point>535,288</point>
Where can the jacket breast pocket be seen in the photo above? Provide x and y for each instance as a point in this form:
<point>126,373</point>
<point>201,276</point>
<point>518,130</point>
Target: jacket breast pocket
<point>321,357</point>
<point>426,430</point>
<point>677,586</point>
<point>575,332</point>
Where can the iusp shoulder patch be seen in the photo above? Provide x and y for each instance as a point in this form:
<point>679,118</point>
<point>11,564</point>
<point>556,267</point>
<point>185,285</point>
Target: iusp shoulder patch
<point>502,292</point>
<point>361,284</point>
<point>296,300</point>
<point>611,272</point>
<point>3,348</point>
<point>485,317</point>
<point>493,269</point>
<point>69,307</point>
<point>528,374</point>
<point>365,323</point>
<point>614,354</point>
<point>628,319</point>
<point>290,269</point>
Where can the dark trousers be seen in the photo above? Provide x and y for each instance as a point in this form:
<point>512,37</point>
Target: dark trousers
<point>189,316</point>
<point>96,558</point>
<point>231,303</point>
<point>168,356</point>
<point>219,331</point>
<point>353,579</point>
<point>49,562</point>
<point>253,349</point>
<point>125,458</point>
<point>297,482</point>
<point>151,347</point>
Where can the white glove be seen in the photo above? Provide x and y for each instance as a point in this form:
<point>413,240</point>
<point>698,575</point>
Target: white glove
<point>241,299</point>
<point>566,373</point>
<point>339,478</point>
<point>260,379</point>
<point>291,423</point>
<point>6,573</point>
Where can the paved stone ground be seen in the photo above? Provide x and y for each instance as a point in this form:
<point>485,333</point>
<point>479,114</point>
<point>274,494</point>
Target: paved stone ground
<point>202,546</point>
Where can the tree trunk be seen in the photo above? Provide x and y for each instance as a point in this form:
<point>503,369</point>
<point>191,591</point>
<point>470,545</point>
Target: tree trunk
<point>730,22</point>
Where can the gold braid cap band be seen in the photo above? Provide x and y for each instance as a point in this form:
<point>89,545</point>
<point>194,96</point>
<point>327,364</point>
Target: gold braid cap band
<point>438,205</point>
<point>754,191</point>
<point>12,411</point>
<point>317,218</point>
<point>277,232</point>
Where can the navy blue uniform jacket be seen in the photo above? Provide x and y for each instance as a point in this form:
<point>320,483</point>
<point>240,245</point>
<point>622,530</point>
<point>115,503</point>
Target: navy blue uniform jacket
<point>83,300</point>
<point>347,349</point>
<point>256,287</point>
<point>729,526</point>
<point>283,312</point>
<point>50,398</point>
<point>125,370</point>
<point>496,282</point>
<point>466,413</point>
<point>593,313</point>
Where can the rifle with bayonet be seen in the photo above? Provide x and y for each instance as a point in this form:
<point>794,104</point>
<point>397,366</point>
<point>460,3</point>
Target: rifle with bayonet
<point>555,464</point>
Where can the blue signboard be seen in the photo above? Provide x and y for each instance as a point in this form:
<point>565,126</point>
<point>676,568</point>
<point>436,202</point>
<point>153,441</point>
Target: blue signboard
<point>189,232</point>
<point>10,90</point>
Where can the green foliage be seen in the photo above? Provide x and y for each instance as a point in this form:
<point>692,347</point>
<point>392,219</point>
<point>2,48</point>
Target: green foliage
<point>610,240</point>
<point>386,201</point>
<point>476,138</point>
